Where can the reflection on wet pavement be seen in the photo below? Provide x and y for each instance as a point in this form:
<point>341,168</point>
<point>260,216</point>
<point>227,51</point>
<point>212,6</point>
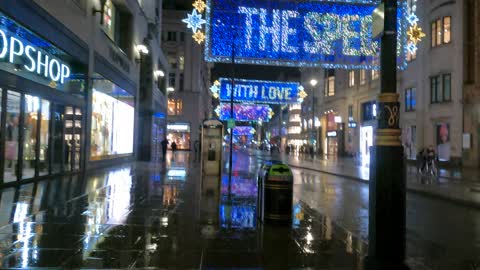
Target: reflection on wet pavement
<point>163,216</point>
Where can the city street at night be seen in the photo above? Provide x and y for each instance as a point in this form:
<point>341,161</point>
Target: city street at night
<point>240,134</point>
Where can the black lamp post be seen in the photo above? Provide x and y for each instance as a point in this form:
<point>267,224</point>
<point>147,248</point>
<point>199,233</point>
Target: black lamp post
<point>387,173</point>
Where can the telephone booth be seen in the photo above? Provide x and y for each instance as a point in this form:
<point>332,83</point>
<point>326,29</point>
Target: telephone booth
<point>211,148</point>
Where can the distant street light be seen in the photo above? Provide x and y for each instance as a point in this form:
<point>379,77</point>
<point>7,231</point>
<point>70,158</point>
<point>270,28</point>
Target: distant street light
<point>313,82</point>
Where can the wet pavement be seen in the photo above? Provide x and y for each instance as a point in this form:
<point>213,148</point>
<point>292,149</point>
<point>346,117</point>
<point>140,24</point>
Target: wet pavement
<point>166,216</point>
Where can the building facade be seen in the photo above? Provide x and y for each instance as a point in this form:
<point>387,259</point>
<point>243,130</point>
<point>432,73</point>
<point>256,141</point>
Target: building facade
<point>430,88</point>
<point>189,100</point>
<point>71,91</point>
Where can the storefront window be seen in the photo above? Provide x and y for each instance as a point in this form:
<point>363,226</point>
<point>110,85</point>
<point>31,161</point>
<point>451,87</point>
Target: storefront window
<point>180,134</point>
<point>32,105</point>
<point>77,133</point>
<point>11,138</point>
<point>58,151</point>
<point>112,120</point>
<point>44,133</point>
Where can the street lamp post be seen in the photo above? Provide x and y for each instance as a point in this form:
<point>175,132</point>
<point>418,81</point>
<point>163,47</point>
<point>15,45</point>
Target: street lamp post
<point>313,83</point>
<point>387,173</point>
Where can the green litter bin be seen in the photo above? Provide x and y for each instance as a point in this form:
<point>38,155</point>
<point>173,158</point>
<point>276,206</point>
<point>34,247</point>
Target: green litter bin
<point>275,193</point>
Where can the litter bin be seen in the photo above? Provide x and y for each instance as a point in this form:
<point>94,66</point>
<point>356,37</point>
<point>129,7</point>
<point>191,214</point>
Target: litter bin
<point>275,192</point>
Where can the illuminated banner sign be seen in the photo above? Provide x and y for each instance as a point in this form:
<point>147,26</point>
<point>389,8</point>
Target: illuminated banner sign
<point>28,52</point>
<point>331,34</point>
<point>245,112</point>
<point>243,131</point>
<point>262,91</point>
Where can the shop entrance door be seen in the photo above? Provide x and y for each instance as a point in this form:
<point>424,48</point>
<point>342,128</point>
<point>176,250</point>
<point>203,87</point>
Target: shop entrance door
<point>66,138</point>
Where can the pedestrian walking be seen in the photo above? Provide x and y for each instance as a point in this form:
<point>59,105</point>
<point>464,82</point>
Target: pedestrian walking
<point>164,144</point>
<point>196,147</point>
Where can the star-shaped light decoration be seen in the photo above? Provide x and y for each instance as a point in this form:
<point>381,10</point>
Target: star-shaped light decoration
<point>302,94</point>
<point>199,37</point>
<point>217,110</point>
<point>412,19</point>
<point>214,89</point>
<point>270,114</point>
<point>194,21</point>
<point>199,5</point>
<point>415,34</point>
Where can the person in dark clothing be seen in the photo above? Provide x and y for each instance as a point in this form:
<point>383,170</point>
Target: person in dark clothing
<point>164,144</point>
<point>196,146</point>
<point>174,147</point>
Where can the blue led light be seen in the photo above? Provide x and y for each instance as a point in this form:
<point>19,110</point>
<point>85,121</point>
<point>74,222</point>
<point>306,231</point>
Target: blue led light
<point>245,112</point>
<point>194,21</point>
<point>255,91</point>
<point>331,34</point>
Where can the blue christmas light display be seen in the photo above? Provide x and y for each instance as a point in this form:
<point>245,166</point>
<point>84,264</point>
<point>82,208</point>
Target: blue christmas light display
<point>194,21</point>
<point>331,34</point>
<point>245,112</point>
<point>254,91</point>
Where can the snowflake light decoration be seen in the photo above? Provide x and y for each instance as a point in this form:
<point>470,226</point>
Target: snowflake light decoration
<point>194,21</point>
<point>199,37</point>
<point>415,34</point>
<point>412,19</point>
<point>199,5</point>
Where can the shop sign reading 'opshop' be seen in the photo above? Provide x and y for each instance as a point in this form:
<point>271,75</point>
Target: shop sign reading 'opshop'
<point>329,33</point>
<point>26,51</point>
<point>260,91</point>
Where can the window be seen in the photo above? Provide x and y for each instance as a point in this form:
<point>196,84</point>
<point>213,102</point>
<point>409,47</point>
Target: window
<point>376,73</point>
<point>330,82</point>
<point>175,106</point>
<point>411,56</point>
<point>180,80</point>
<point>182,36</point>
<point>117,25</point>
<point>350,112</point>
<point>446,29</point>
<point>441,31</point>
<point>181,62</point>
<point>351,78</point>
<point>440,88</point>
<point>369,111</point>
<point>171,80</point>
<point>410,99</point>
<point>109,19</point>
<point>363,76</point>
<point>171,36</point>
<point>447,86</point>
<point>172,60</point>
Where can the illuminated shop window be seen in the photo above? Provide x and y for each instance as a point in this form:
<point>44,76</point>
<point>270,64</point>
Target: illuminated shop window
<point>175,106</point>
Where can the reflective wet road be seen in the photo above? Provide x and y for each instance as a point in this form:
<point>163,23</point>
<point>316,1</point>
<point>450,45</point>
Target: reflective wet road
<point>163,217</point>
<point>166,216</point>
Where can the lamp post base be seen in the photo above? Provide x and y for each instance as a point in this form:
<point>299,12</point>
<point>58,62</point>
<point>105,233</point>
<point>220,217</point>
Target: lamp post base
<point>386,208</point>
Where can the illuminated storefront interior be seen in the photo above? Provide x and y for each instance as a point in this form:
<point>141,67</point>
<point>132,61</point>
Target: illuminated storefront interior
<point>113,116</point>
<point>180,134</point>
